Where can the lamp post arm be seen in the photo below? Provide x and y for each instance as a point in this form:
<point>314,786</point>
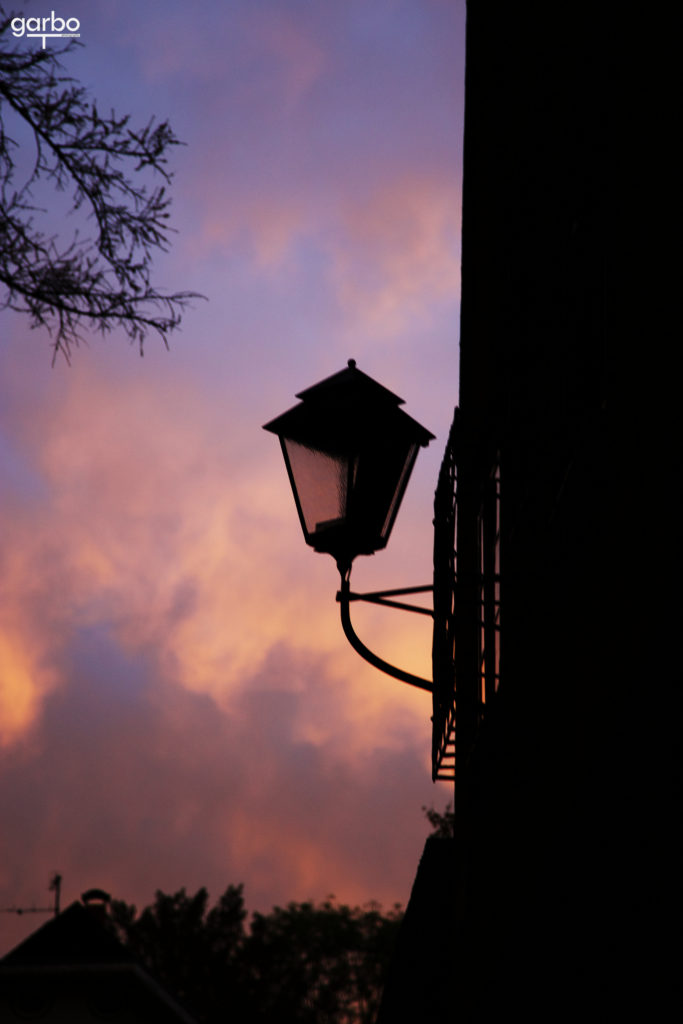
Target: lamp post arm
<point>344,598</point>
<point>382,597</point>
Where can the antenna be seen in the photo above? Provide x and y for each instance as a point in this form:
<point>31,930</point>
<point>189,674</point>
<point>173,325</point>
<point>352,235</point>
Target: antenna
<point>55,887</point>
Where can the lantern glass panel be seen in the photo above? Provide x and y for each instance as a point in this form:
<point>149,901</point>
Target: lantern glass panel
<point>322,482</point>
<point>383,472</point>
<point>399,488</point>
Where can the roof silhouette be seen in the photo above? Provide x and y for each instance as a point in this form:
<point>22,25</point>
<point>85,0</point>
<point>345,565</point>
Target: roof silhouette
<point>76,936</point>
<point>75,964</point>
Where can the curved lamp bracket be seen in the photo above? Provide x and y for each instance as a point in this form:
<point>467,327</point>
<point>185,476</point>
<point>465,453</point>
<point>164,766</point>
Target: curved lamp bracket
<point>345,596</point>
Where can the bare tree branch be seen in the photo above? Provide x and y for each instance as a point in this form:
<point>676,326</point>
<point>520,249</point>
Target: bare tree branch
<point>104,281</point>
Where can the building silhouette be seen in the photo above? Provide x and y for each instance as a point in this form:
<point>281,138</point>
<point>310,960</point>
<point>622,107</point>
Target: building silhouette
<point>561,886</point>
<point>73,969</point>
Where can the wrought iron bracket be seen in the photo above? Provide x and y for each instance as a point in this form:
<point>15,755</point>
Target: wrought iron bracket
<point>380,597</point>
<point>345,596</point>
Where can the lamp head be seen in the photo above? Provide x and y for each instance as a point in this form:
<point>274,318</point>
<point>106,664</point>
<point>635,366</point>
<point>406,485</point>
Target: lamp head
<point>349,451</point>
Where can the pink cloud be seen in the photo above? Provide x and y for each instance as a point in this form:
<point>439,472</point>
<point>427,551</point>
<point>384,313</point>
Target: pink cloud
<point>399,255</point>
<point>294,56</point>
<point>152,521</point>
<point>389,255</point>
<point>133,784</point>
<point>180,706</point>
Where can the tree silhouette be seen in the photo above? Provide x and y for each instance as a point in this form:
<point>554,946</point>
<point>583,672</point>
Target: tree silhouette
<point>102,280</point>
<point>319,964</point>
<point>443,824</point>
<point>191,950</point>
<point>305,963</point>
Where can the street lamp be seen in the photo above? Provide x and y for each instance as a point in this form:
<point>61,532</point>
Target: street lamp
<point>349,451</point>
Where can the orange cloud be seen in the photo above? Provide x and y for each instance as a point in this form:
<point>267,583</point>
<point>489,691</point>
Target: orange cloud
<point>23,682</point>
<point>153,786</point>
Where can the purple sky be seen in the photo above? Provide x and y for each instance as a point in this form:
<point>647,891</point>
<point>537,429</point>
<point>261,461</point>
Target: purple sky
<point>178,705</point>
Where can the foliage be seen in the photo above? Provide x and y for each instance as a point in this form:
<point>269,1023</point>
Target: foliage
<point>105,166</point>
<point>323,964</point>
<point>191,950</point>
<point>310,963</point>
<point>443,825</point>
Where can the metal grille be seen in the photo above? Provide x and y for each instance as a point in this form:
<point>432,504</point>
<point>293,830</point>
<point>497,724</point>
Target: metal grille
<point>484,590</point>
<point>443,649</point>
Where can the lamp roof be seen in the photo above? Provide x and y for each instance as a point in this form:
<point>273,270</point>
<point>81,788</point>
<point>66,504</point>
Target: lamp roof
<point>350,394</point>
<point>350,380</point>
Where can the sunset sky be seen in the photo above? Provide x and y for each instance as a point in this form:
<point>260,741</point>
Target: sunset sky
<point>178,704</point>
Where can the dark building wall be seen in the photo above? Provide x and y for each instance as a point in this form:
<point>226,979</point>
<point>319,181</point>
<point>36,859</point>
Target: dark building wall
<point>567,864</point>
<point>555,788</point>
<point>534,373</point>
<point>419,985</point>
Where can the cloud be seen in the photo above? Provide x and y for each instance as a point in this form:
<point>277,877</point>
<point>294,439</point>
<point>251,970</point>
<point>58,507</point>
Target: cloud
<point>177,703</point>
<point>23,682</point>
<point>387,257</point>
<point>293,59</point>
<point>268,55</point>
<point>154,522</point>
<point>398,258</point>
<point>132,783</point>
<point>182,707</point>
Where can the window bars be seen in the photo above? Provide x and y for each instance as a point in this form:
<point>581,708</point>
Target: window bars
<point>464,614</point>
<point>443,647</point>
